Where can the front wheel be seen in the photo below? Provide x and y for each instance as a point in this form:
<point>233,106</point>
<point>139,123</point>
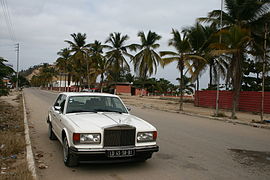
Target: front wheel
<point>51,133</point>
<point>70,160</point>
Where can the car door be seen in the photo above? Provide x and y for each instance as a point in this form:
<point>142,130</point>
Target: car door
<point>54,113</point>
<point>57,116</point>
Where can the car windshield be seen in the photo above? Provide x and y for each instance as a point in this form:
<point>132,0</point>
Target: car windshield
<point>77,104</point>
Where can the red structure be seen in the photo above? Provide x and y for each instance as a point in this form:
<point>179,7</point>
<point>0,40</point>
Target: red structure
<point>139,92</point>
<point>248,100</point>
<point>126,89</point>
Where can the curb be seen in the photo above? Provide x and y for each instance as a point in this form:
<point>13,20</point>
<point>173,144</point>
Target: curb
<point>29,152</point>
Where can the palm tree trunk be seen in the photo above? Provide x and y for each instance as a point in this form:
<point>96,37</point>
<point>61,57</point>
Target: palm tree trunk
<point>69,79</point>
<point>77,86</point>
<point>59,89</point>
<point>198,84</point>
<point>88,85</point>
<point>210,76</point>
<point>142,89</point>
<point>101,82</point>
<point>87,73</point>
<point>181,87</point>
<point>65,89</point>
<point>237,84</point>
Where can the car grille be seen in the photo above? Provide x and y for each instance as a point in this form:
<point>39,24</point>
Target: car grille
<point>119,136</point>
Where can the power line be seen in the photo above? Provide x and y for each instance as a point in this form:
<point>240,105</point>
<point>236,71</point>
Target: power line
<point>10,21</point>
<point>7,18</point>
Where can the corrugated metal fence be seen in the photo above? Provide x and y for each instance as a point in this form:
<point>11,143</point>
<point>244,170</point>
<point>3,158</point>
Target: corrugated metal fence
<point>248,100</point>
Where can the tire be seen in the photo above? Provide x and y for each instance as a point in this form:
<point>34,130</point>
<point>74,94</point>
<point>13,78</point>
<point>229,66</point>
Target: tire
<point>70,160</point>
<point>51,134</point>
<point>146,157</point>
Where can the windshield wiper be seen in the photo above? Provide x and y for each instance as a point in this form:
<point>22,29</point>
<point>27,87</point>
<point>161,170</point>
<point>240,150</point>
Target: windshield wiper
<point>82,111</point>
<point>107,110</point>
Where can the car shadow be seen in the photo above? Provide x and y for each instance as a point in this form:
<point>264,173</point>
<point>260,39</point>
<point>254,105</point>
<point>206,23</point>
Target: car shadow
<point>111,166</point>
<point>108,165</point>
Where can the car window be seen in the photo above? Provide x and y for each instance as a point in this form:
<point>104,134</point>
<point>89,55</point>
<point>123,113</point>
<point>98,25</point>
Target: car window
<point>94,104</point>
<point>58,100</point>
<point>62,105</point>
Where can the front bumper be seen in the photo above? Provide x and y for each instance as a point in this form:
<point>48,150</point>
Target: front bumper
<point>100,155</point>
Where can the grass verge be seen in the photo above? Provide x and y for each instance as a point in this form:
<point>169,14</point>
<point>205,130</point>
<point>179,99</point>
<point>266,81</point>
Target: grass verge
<point>12,142</point>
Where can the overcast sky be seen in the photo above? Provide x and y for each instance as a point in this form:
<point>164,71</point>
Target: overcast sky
<point>41,26</point>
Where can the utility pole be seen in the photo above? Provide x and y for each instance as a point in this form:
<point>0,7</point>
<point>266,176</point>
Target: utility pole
<point>17,49</point>
<point>218,74</point>
<point>263,72</point>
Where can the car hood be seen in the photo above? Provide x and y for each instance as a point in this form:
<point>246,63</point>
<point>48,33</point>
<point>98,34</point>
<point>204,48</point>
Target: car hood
<point>101,120</point>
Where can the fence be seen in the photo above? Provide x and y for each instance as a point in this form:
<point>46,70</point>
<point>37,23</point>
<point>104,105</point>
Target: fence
<point>62,89</point>
<point>248,100</point>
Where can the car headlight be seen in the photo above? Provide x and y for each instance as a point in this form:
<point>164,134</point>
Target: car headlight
<point>87,138</point>
<point>147,136</point>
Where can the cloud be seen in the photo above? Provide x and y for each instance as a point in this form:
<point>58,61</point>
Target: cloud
<point>41,26</point>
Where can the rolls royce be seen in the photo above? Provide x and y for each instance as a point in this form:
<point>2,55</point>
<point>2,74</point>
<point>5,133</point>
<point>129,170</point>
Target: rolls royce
<point>97,127</point>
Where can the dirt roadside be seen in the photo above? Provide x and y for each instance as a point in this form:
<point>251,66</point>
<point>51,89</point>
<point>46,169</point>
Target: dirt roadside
<point>172,105</point>
<point>12,142</point>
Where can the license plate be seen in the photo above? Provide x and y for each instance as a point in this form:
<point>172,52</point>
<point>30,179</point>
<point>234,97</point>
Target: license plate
<point>121,153</point>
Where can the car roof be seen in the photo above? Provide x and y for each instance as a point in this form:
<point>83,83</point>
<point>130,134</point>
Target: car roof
<point>88,94</point>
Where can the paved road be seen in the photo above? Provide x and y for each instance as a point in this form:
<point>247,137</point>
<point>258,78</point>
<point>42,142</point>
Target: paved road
<point>190,148</point>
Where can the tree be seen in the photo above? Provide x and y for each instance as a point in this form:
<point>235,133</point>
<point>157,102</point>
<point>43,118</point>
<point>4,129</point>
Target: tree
<point>117,51</point>
<point>117,76</point>
<point>5,72</point>
<point>46,75</point>
<point>164,86</point>
<point>79,57</point>
<point>235,42</point>
<point>129,77</point>
<point>22,81</point>
<point>63,63</point>
<point>182,56</point>
<point>188,86</point>
<point>146,60</point>
<point>200,37</point>
<point>100,62</point>
<point>244,13</point>
<point>245,18</point>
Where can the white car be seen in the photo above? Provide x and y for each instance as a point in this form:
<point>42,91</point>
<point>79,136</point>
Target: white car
<point>97,127</point>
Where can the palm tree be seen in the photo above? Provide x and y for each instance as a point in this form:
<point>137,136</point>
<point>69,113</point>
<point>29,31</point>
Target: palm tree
<point>63,63</point>
<point>200,37</point>
<point>5,71</point>
<point>242,16</point>
<point>234,44</point>
<point>79,57</point>
<point>47,73</point>
<point>188,87</point>
<point>100,62</point>
<point>244,13</point>
<point>117,51</point>
<point>146,60</point>
<point>182,56</point>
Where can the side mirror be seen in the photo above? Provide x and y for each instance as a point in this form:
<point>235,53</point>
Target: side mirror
<point>57,108</point>
<point>128,108</point>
